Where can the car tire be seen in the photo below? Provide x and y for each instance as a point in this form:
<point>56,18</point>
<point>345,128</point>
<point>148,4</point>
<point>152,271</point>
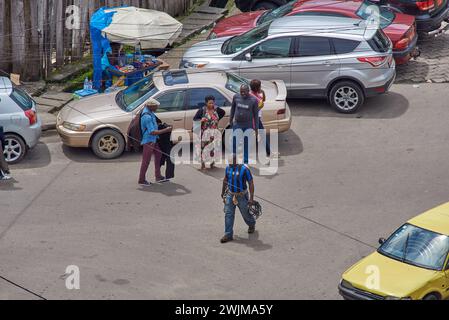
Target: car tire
<point>431,296</point>
<point>346,97</point>
<point>108,144</point>
<point>265,5</point>
<point>15,148</point>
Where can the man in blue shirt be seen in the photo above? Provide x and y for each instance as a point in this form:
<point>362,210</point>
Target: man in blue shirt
<point>150,135</point>
<point>235,194</point>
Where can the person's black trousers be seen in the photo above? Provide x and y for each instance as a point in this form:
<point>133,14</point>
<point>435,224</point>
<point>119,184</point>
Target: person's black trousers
<point>3,164</point>
<point>169,168</point>
<point>166,159</point>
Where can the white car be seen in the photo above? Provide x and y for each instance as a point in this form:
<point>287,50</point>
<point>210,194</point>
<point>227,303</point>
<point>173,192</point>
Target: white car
<point>19,120</point>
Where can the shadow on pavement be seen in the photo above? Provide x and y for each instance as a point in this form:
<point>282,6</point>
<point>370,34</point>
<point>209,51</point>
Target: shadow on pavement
<point>168,189</point>
<point>9,185</point>
<point>38,157</point>
<point>217,173</point>
<point>388,106</point>
<point>253,242</point>
<point>290,144</point>
<point>85,155</point>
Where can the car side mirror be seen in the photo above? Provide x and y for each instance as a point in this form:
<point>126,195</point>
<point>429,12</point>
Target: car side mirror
<point>248,57</point>
<point>382,241</point>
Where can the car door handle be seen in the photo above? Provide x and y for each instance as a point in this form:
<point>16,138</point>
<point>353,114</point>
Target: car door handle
<point>177,120</point>
<point>327,63</point>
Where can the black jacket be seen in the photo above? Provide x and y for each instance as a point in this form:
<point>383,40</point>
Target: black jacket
<point>200,114</point>
<point>165,144</point>
<point>2,137</point>
<point>164,141</point>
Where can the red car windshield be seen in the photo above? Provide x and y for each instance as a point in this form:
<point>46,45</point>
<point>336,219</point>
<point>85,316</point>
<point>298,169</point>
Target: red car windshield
<point>238,43</point>
<point>277,13</point>
<point>386,16</point>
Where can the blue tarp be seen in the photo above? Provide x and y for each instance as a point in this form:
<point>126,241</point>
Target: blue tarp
<point>100,44</point>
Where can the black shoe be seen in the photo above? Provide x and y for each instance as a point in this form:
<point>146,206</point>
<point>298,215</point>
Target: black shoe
<point>162,180</point>
<point>226,239</point>
<point>145,184</point>
<point>252,229</point>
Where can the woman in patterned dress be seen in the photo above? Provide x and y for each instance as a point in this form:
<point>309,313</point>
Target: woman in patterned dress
<point>209,117</point>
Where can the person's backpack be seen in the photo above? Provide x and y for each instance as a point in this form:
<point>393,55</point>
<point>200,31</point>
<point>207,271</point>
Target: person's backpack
<point>135,132</point>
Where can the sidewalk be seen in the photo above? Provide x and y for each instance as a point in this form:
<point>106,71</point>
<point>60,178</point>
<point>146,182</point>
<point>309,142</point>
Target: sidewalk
<point>49,104</point>
<point>195,30</point>
<point>173,57</point>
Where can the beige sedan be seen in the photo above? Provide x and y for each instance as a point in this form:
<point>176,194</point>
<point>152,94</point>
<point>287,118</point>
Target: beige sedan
<point>101,122</point>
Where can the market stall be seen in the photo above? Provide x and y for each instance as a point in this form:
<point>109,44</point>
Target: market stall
<point>116,31</point>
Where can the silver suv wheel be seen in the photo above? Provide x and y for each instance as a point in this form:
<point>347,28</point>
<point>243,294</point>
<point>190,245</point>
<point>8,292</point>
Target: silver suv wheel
<point>346,96</point>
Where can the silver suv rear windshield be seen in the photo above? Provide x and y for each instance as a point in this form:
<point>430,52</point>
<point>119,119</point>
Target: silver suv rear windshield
<point>238,43</point>
<point>379,42</point>
<point>22,99</point>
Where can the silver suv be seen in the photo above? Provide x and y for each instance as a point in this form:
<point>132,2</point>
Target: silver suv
<point>19,120</point>
<point>342,59</point>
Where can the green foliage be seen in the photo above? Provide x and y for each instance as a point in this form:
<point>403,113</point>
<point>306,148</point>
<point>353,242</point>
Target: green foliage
<point>77,83</point>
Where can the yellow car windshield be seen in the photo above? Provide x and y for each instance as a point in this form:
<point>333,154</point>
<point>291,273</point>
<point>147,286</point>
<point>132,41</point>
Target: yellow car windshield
<point>420,247</point>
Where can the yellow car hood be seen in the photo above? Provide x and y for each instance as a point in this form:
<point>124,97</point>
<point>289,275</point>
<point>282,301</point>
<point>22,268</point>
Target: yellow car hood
<point>396,279</point>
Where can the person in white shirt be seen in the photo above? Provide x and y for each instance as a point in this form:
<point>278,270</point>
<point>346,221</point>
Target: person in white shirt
<point>259,94</point>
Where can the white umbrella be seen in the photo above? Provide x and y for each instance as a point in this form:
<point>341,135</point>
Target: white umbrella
<point>150,28</point>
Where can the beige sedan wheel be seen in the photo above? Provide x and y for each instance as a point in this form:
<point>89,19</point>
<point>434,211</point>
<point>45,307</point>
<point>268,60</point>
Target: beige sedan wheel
<point>108,144</point>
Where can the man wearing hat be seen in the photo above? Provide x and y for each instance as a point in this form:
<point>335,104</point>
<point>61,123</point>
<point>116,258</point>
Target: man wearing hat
<point>150,136</point>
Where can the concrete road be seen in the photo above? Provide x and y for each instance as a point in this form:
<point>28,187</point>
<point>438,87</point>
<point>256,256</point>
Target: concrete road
<point>343,182</point>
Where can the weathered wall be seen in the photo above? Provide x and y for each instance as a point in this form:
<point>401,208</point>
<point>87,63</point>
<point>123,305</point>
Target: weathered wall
<point>33,33</point>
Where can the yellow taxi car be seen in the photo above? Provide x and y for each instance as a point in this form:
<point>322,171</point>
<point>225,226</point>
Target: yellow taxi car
<point>412,264</point>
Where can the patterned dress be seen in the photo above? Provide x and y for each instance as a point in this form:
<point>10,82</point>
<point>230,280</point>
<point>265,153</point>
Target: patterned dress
<point>208,128</point>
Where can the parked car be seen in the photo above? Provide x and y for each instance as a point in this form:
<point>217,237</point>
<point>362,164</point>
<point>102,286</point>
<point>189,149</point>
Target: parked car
<point>19,120</point>
<point>339,58</point>
<point>412,264</point>
<point>101,122</point>
<point>429,14</point>
<point>400,28</point>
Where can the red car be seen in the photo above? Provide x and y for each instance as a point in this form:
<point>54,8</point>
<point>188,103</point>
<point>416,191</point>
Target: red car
<point>400,28</point>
